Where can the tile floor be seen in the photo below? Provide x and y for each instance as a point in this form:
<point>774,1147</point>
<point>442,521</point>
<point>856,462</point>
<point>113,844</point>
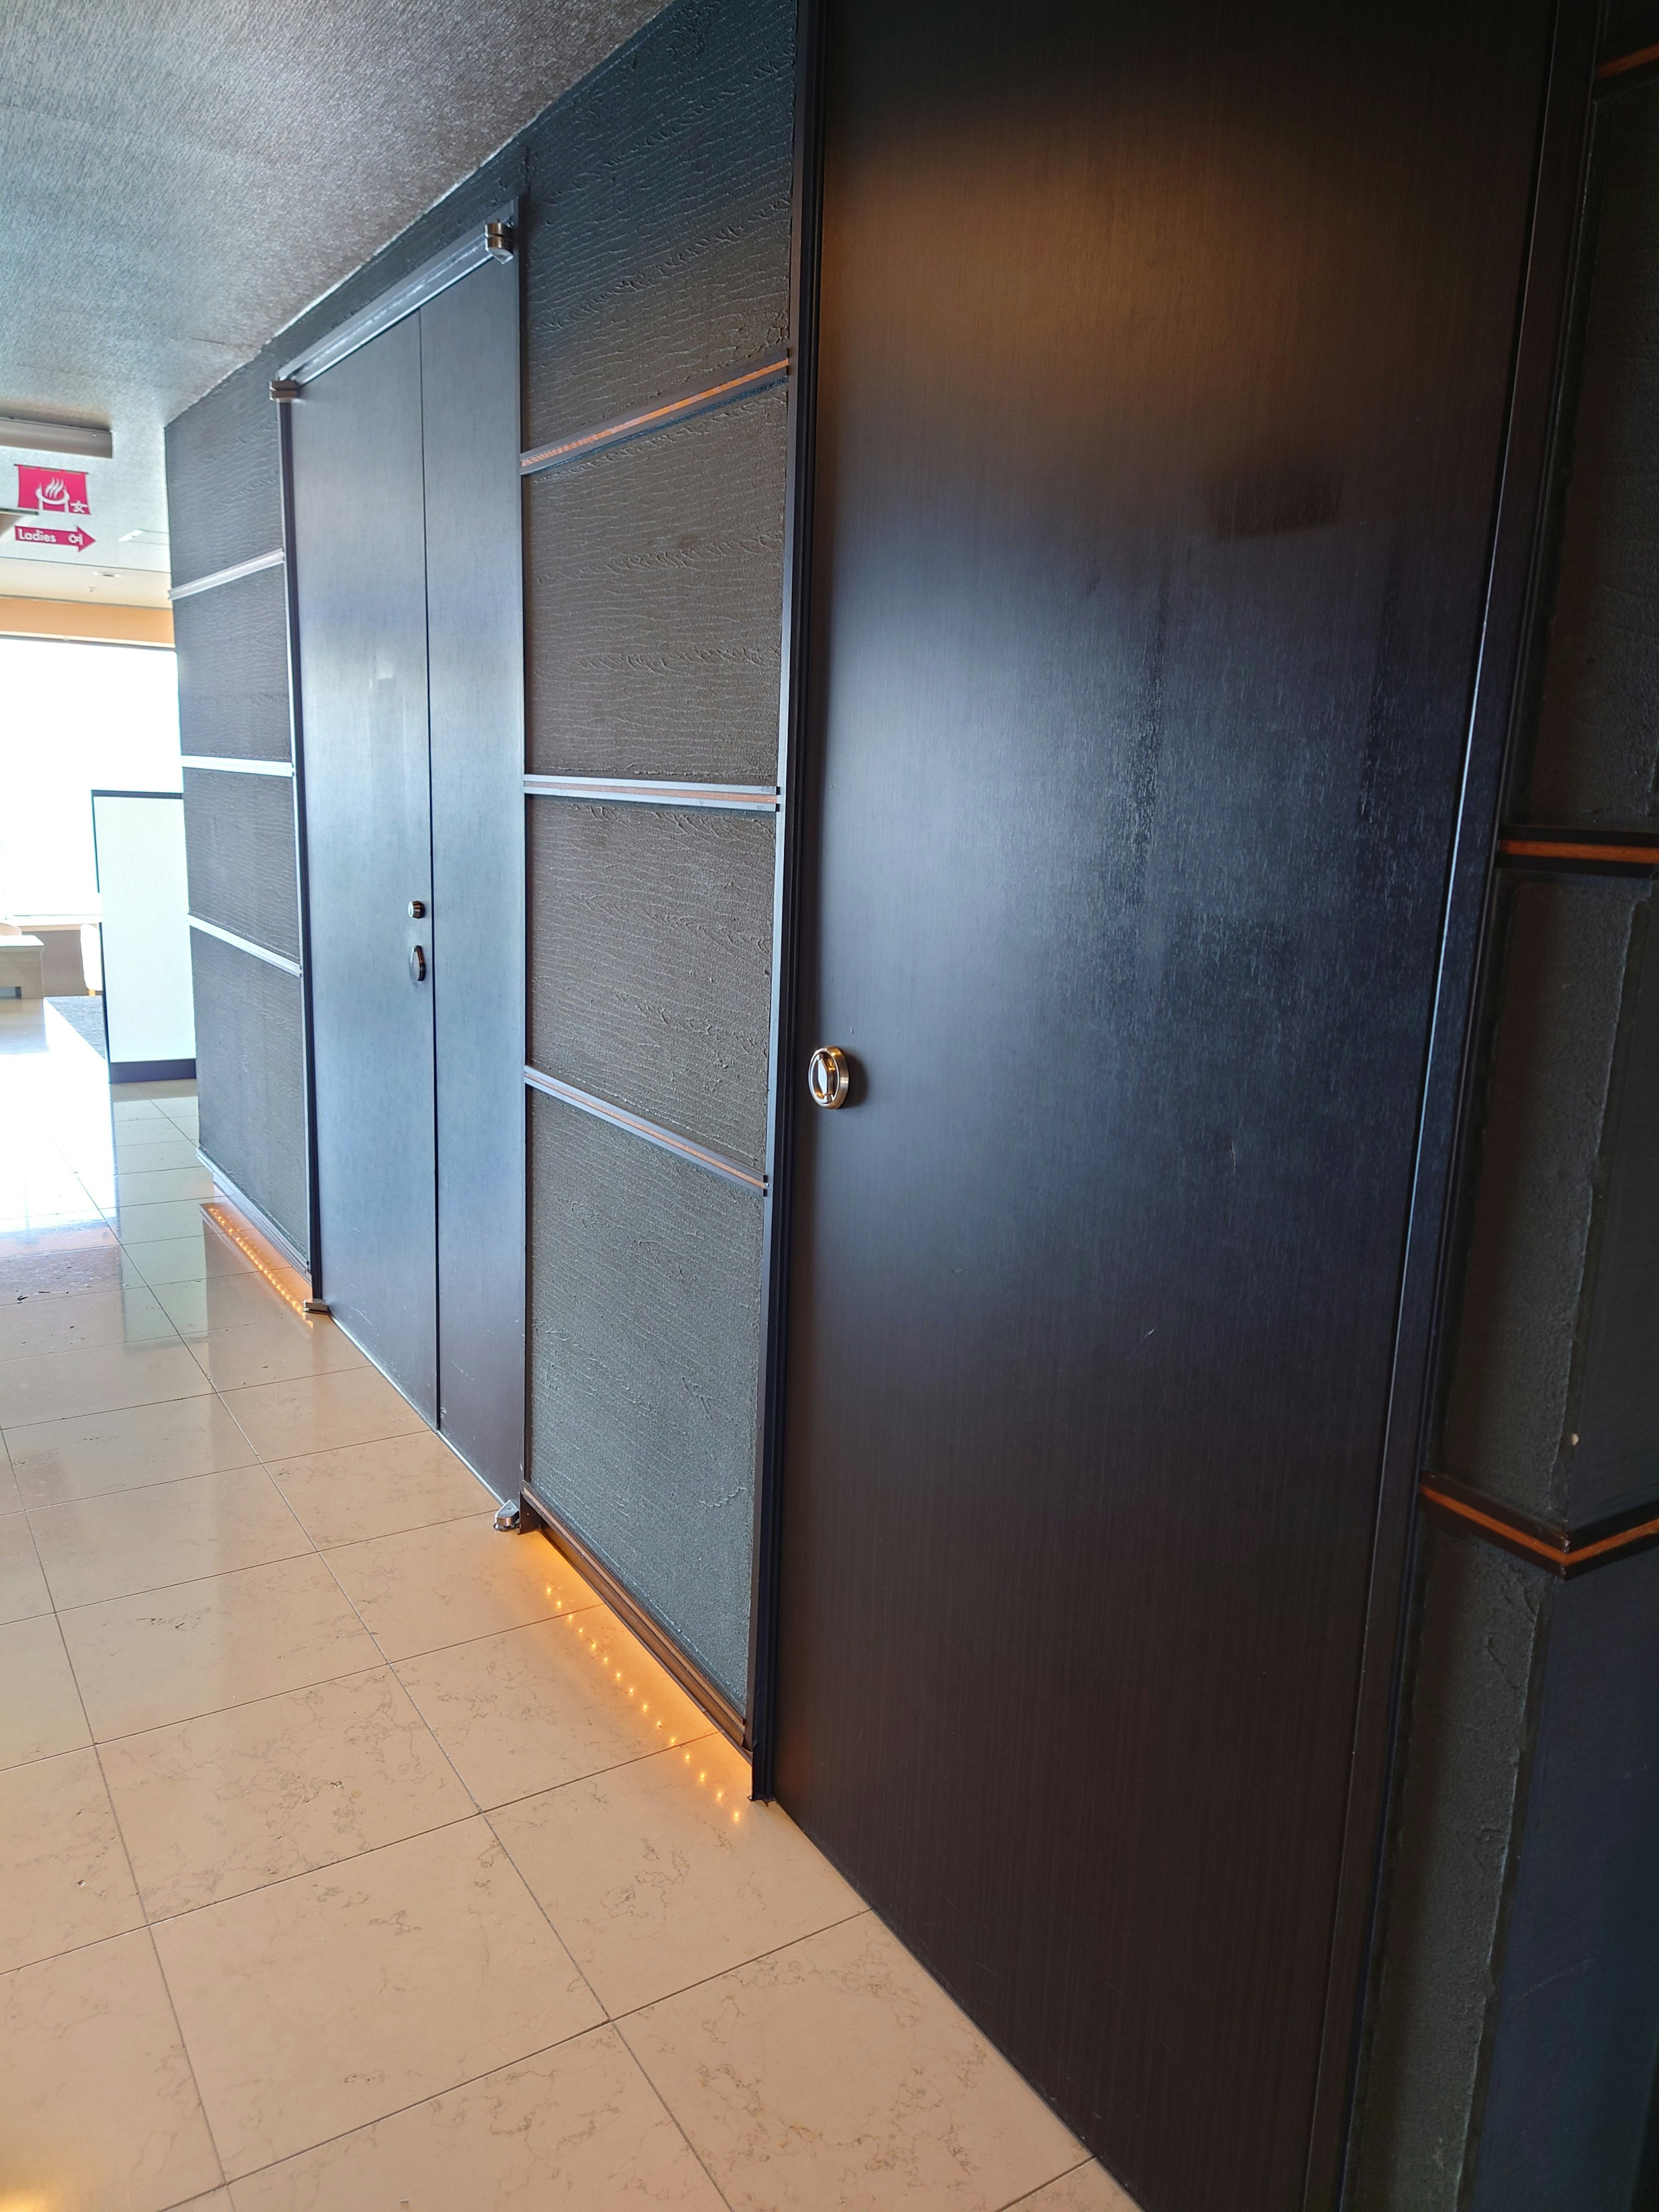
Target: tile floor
<point>351,1855</point>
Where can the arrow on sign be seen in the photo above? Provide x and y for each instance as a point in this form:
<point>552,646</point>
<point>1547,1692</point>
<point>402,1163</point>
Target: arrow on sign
<point>28,533</point>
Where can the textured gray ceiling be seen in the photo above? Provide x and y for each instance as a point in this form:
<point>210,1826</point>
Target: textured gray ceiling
<point>179,178</point>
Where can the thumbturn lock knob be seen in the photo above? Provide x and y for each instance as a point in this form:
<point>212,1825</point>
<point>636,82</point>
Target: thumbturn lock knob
<point>828,1076</point>
<point>417,964</point>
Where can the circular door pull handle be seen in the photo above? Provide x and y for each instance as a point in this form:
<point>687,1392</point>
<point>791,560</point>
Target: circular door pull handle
<point>829,1076</point>
<point>417,964</point>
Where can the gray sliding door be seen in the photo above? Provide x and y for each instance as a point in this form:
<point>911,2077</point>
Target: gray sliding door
<point>406,558</point>
<point>361,569</point>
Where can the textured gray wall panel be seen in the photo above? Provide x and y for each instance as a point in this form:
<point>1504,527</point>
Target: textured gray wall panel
<point>232,669</point>
<point>239,852</point>
<point>1540,1175</point>
<point>1482,1616</point>
<point>654,614</point>
<point>224,494</point>
<point>650,963</point>
<point>250,1077</point>
<point>644,1366</point>
<point>1597,747</point>
<point>658,221</point>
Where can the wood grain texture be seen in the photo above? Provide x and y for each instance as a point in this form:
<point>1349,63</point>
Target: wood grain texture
<point>249,1079</point>
<point>1595,754</point>
<point>650,963</point>
<point>232,670</point>
<point>653,613</point>
<point>1164,361</point>
<point>644,1362</point>
<point>656,223</point>
<point>239,853</point>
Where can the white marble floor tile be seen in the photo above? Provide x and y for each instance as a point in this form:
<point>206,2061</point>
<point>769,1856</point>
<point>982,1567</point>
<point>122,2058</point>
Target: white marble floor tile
<point>98,2110</point>
<point>837,2075</point>
<point>55,1386</point>
<point>127,1449</point>
<point>11,1498</point>
<point>57,1323</point>
<point>662,1873</point>
<point>578,2129</point>
<point>278,1348</point>
<point>40,1709</point>
<point>320,2004</point>
<point>1088,2189</point>
<point>525,1711</point>
<point>187,1259</point>
<point>428,1587</point>
<point>377,1489</point>
<point>212,1806</point>
<point>208,1304</point>
<point>171,1654</point>
<point>64,1875</point>
<point>319,1412</point>
<point>129,1540</point>
<point>151,1221</point>
<point>155,1186</point>
<point>23,1592</point>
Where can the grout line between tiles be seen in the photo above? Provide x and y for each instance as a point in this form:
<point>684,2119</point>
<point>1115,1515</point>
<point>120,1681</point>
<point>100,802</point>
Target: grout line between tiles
<point>1031,2196</point>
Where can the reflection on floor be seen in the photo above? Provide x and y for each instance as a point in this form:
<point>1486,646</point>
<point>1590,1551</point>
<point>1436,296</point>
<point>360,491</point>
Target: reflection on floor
<point>352,1856</point>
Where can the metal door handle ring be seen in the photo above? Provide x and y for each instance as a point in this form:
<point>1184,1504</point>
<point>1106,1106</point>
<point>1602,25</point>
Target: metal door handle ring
<point>417,964</point>
<point>829,1076</point>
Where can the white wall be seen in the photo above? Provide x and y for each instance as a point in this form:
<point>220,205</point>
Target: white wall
<point>73,717</point>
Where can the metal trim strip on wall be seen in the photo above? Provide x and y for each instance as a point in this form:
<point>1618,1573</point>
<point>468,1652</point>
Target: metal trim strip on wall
<point>677,407</point>
<point>227,575</point>
<point>491,240</point>
<point>629,791</point>
<point>236,767</point>
<point>246,945</point>
<point>653,1132</point>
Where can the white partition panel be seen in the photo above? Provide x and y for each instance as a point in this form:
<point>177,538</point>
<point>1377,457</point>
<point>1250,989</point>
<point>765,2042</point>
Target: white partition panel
<point>139,839</point>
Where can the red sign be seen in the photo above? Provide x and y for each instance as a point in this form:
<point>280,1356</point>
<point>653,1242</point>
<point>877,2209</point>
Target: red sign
<point>29,533</point>
<point>52,491</point>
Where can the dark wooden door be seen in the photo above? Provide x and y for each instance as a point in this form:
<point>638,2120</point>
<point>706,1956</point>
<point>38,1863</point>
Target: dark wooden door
<point>1163,358</point>
<point>360,538</point>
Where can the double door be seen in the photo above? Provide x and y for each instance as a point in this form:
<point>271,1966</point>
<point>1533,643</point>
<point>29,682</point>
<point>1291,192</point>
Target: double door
<point>406,532</point>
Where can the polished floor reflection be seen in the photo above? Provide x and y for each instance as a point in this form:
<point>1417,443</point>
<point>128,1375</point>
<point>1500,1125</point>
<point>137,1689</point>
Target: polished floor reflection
<point>354,1855</point>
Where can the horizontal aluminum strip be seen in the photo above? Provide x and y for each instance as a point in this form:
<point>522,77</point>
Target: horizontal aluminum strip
<point>486,242</point>
<point>755,377</point>
<point>228,575</point>
<point>619,1118</point>
<point>236,767</point>
<point>634,791</point>
<point>246,945</point>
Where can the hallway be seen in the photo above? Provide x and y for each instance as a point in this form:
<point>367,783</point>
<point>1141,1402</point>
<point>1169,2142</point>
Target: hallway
<point>352,1855</point>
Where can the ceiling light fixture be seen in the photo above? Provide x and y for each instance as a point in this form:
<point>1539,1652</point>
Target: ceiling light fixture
<point>47,433</point>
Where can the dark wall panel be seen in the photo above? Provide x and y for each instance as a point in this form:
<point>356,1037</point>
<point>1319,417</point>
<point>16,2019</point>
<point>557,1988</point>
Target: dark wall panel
<point>653,646</point>
<point>232,669</point>
<point>1597,748</point>
<point>650,967</point>
<point>644,1366</point>
<point>657,221</point>
<point>249,1057</point>
<point>1541,1177</point>
<point>239,842</point>
<point>223,499</point>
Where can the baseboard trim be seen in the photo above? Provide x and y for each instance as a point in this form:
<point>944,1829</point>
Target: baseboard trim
<point>657,1640</point>
<point>152,1070</point>
<point>284,1245</point>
